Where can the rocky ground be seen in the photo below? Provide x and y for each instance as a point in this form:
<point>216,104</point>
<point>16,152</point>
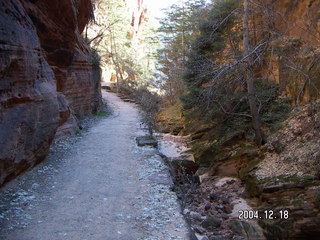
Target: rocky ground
<point>211,207</point>
<point>282,176</point>
<point>215,211</point>
<point>294,150</point>
<point>98,185</point>
<point>287,177</point>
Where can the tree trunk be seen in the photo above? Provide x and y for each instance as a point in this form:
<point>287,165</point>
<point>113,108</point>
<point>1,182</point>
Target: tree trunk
<point>114,57</point>
<point>259,135</point>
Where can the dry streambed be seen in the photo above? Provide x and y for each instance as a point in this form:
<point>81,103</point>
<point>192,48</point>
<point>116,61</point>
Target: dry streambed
<point>211,205</point>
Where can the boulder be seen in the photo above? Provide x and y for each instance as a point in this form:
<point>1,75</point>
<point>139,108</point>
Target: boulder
<point>147,141</point>
<point>181,166</point>
<point>248,229</point>
<point>211,223</point>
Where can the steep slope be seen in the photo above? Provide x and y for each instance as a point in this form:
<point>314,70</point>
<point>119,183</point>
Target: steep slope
<point>287,176</point>
<point>47,76</point>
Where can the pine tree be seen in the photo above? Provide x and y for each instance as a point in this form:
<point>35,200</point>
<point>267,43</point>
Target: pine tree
<point>216,46</point>
<point>177,31</point>
<point>259,135</point>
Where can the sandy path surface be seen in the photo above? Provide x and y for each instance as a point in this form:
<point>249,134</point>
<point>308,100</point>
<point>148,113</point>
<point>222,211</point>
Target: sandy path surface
<point>102,187</point>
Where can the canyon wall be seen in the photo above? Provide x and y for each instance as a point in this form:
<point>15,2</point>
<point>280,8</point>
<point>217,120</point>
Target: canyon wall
<point>293,57</point>
<point>47,78</point>
<point>138,10</point>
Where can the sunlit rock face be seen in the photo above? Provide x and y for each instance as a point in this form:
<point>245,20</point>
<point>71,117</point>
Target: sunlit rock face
<point>294,27</point>
<point>299,19</point>
<point>288,18</point>
<point>45,74</point>
<point>138,10</point>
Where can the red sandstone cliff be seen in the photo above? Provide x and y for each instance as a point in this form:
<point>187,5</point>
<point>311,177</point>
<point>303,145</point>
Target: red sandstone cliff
<point>46,77</point>
<point>293,58</point>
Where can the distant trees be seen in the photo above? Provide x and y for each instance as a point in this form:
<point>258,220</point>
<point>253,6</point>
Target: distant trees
<point>177,31</point>
<point>129,61</point>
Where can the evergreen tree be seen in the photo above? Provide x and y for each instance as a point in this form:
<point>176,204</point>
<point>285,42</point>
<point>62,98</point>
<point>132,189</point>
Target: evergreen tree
<point>217,45</point>
<point>220,72</point>
<point>177,31</point>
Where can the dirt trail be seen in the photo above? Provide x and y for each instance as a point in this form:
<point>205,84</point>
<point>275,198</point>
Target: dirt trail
<point>103,188</point>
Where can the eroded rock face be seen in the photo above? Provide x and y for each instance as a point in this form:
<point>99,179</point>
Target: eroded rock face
<point>29,107</point>
<point>288,18</point>
<point>46,74</point>
<point>299,19</point>
<point>294,30</point>
<point>59,25</point>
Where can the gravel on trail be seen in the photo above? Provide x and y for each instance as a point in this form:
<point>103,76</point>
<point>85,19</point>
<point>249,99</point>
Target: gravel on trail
<point>95,186</point>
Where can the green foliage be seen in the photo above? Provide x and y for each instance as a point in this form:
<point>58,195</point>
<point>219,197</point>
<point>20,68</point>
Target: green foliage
<point>318,198</point>
<point>216,86</point>
<point>216,90</point>
<point>150,138</point>
<point>127,54</point>
<point>79,132</point>
<point>178,29</point>
<point>292,181</point>
<point>252,187</point>
<point>205,54</point>
<point>297,202</point>
<point>101,114</point>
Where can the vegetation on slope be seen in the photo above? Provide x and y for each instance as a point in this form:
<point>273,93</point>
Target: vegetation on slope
<point>210,77</point>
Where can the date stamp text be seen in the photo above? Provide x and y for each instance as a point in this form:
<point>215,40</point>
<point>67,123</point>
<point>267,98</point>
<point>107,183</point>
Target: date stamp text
<point>267,214</point>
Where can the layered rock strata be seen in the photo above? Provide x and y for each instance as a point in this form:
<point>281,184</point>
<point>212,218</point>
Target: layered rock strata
<point>46,78</point>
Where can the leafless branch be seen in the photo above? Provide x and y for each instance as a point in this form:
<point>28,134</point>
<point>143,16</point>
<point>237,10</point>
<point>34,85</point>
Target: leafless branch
<point>221,71</point>
<point>294,66</point>
<point>100,35</point>
<point>231,113</point>
<point>223,21</point>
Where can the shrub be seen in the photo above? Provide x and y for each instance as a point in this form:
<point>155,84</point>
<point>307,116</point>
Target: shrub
<point>150,106</point>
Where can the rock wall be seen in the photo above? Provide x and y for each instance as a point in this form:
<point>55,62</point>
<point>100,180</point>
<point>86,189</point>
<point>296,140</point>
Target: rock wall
<point>287,176</point>
<point>294,53</point>
<point>47,78</point>
<point>138,11</point>
<point>299,19</point>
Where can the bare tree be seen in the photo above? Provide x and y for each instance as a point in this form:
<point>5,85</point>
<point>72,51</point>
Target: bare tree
<point>259,135</point>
